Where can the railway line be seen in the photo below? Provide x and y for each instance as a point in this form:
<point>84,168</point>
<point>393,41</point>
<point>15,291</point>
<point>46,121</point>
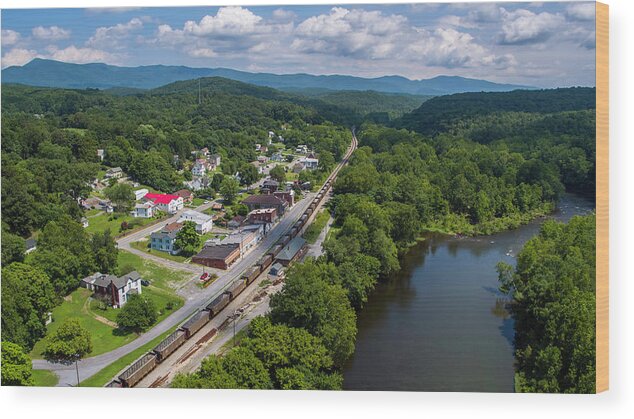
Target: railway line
<point>133,374</point>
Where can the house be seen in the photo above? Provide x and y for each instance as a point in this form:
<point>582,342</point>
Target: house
<point>144,210</point>
<point>277,271</point>
<point>203,222</point>
<point>288,196</point>
<point>263,159</point>
<point>310,163</point>
<point>116,290</point>
<point>197,184</point>
<point>166,203</point>
<point>164,239</point>
<point>254,202</point>
<point>201,167</point>
<point>293,251</point>
<point>263,216</point>
<point>236,221</point>
<point>140,193</point>
<point>269,186</point>
<point>298,167</point>
<point>302,148</point>
<point>258,147</point>
<point>264,149</point>
<point>259,229</point>
<point>187,195</point>
<point>258,166</point>
<point>114,173</point>
<point>31,245</point>
<point>271,134</point>
<point>204,151</point>
<point>101,153</point>
<point>277,157</point>
<point>217,206</point>
<point>214,160</point>
<point>219,256</point>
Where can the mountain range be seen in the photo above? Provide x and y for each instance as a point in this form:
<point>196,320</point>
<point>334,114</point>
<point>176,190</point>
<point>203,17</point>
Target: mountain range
<point>50,73</point>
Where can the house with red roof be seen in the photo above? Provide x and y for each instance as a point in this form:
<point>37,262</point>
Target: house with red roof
<point>166,203</point>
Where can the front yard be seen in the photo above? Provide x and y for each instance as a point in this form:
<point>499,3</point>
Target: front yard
<point>104,221</point>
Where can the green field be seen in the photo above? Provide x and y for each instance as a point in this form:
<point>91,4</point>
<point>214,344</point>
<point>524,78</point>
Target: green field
<point>160,277</point>
<point>104,337</point>
<point>44,378</point>
<point>113,222</point>
<point>318,224</point>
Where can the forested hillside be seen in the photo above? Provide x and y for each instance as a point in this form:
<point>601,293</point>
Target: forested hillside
<point>50,139</point>
<point>440,113</point>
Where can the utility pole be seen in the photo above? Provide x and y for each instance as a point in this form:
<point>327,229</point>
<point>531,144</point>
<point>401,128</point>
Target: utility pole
<point>77,369</point>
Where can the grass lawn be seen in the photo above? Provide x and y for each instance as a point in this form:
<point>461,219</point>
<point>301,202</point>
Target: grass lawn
<point>160,298</point>
<point>104,376</point>
<point>104,338</point>
<point>159,276</point>
<point>105,221</point>
<point>198,202</point>
<point>92,212</point>
<point>143,245</point>
<point>318,224</point>
<point>44,378</point>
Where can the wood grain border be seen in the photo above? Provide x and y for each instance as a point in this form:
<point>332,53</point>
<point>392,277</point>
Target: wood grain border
<point>602,198</point>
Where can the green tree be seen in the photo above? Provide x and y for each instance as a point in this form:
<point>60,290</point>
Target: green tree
<point>13,248</point>
<point>246,369</point>
<point>138,314</point>
<point>16,366</point>
<point>27,297</point>
<point>229,189</point>
<point>309,301</point>
<point>68,344</point>
<point>105,251</point>
<point>278,173</point>
<point>121,195</point>
<point>187,240</point>
<point>326,161</point>
<point>248,174</point>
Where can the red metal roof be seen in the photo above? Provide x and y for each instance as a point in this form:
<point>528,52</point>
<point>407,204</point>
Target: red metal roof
<point>159,198</point>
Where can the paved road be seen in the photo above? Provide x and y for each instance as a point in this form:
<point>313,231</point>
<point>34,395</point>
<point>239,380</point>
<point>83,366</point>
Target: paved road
<point>91,366</point>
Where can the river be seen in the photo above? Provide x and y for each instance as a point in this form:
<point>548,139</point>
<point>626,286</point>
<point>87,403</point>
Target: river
<point>440,323</point>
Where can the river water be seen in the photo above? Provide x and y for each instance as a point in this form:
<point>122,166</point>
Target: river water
<point>440,323</point>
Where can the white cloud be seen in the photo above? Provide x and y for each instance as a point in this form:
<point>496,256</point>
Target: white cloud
<point>73,54</point>
<point>52,33</point>
<point>18,56</point>
<point>201,53</point>
<point>581,11</point>
<point>283,15</point>
<point>228,21</point>
<point>112,36</point>
<point>9,37</point>
<point>525,27</point>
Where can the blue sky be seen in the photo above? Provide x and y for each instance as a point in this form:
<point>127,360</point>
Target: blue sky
<point>539,44</point>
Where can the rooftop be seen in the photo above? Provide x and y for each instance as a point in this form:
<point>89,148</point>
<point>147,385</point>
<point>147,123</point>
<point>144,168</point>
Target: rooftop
<point>159,198</point>
<point>263,200</point>
<point>291,249</point>
<point>196,216</point>
<point>217,252</point>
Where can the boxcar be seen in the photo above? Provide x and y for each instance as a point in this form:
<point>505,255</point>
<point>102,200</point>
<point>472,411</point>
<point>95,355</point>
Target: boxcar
<point>309,211</point>
<point>265,262</point>
<point>304,217</point>
<point>294,231</point>
<point>217,304</point>
<point>277,249</point>
<point>169,345</point>
<point>236,288</point>
<point>195,323</point>
<point>138,370</point>
<point>251,274</point>
<point>286,239</point>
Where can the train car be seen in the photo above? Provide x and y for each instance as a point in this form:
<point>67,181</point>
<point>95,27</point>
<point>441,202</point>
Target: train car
<point>304,217</point>
<point>309,211</point>
<point>169,345</point>
<point>236,288</point>
<point>277,249</point>
<point>251,273</point>
<point>294,231</point>
<point>265,261</point>
<point>138,370</point>
<point>286,239</point>
<point>218,304</point>
<point>114,384</point>
<point>195,323</point>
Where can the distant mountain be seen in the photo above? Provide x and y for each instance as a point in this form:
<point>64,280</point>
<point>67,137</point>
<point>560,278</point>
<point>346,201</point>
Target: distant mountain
<point>49,73</point>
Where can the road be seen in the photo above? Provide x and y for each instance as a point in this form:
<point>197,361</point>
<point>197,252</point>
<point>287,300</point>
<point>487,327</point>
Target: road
<point>194,300</point>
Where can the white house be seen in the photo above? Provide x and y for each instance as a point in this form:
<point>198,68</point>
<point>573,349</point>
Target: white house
<point>114,289</point>
<point>204,222</point>
<point>201,167</point>
<point>302,148</point>
<point>214,160</point>
<point>140,193</point>
<point>114,173</point>
<point>310,163</point>
<point>166,203</point>
<point>144,210</point>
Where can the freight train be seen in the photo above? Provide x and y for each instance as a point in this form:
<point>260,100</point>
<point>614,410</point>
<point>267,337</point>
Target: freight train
<point>143,366</point>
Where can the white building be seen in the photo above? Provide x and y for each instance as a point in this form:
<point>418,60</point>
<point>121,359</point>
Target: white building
<point>144,210</point>
<point>114,289</point>
<point>310,163</point>
<point>204,222</point>
<point>140,193</point>
<point>114,173</point>
<point>166,203</point>
<point>201,167</point>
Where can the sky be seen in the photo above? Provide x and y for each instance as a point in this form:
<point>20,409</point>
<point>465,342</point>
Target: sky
<point>549,44</point>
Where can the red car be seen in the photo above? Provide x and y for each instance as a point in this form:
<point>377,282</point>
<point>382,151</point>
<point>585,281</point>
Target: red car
<point>204,276</point>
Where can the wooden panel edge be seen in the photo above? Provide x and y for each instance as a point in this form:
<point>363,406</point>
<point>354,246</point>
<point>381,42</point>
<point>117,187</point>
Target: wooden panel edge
<point>602,198</point>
